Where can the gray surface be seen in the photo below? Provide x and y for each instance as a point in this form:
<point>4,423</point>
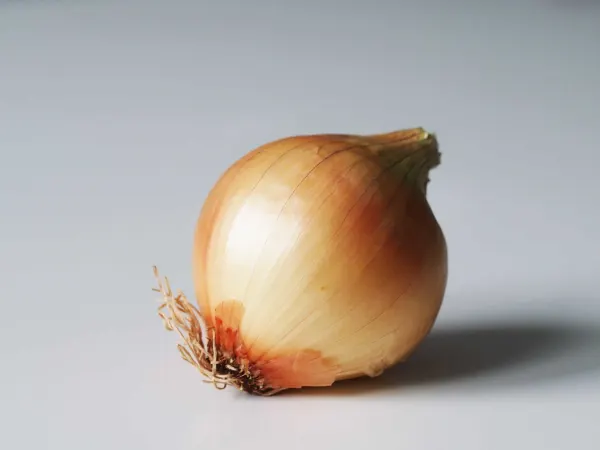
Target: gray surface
<point>116,118</point>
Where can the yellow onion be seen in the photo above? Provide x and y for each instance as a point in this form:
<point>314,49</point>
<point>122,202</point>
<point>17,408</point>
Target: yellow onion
<point>316,258</point>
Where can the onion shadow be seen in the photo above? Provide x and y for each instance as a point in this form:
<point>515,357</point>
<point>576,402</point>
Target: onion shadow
<point>497,355</point>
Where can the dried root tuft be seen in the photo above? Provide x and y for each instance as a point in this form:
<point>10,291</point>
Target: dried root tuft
<point>200,347</point>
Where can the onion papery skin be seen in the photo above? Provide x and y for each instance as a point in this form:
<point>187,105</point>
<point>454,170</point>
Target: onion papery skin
<point>318,258</point>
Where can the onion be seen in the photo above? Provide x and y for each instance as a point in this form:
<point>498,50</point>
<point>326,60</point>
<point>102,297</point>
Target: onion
<point>315,259</point>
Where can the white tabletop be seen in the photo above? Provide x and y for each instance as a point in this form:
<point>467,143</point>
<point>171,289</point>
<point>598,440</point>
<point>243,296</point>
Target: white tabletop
<point>116,117</point>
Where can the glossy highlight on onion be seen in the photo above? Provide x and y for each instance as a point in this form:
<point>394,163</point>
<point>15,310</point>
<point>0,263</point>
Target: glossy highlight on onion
<point>316,258</point>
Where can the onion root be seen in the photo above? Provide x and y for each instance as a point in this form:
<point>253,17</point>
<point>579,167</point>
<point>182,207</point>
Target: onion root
<point>199,345</point>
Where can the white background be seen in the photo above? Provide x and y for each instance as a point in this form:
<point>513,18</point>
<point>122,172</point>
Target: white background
<point>116,117</point>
